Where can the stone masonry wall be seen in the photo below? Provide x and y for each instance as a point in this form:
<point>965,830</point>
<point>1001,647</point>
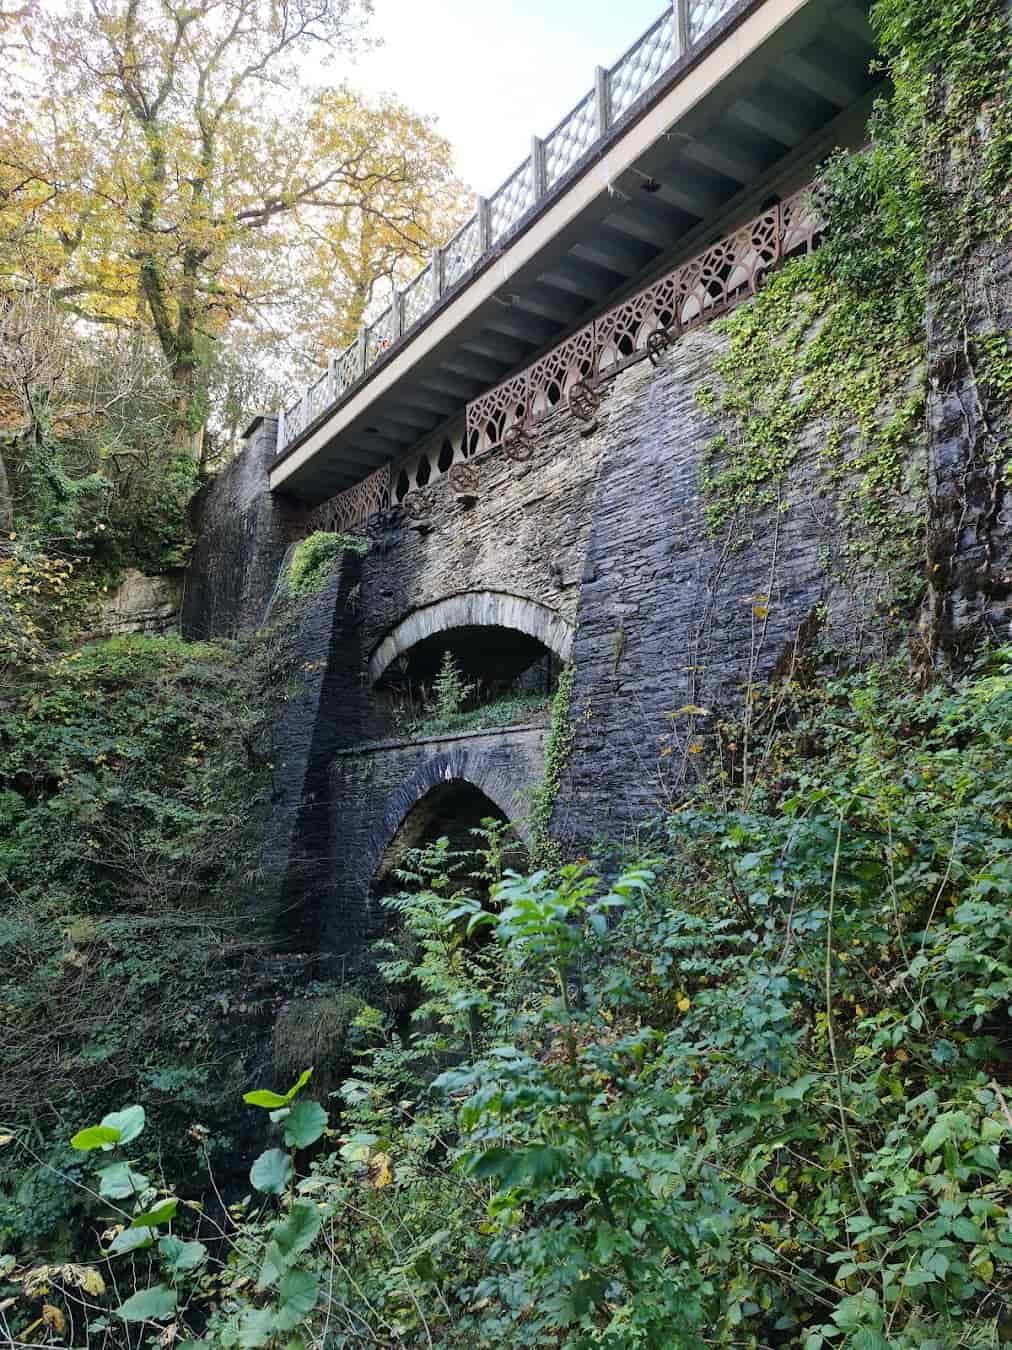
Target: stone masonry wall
<point>672,618</point>
<point>373,789</point>
<point>242,534</point>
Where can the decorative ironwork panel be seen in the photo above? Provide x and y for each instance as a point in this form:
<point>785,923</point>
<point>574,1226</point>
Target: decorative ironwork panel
<point>640,67</point>
<point>355,505</point>
<point>550,379</point>
<point>319,398</point>
<point>346,369</point>
<point>703,14</point>
<point>489,417</point>
<point>417,297</point>
<point>729,269</point>
<point>625,330</point>
<point>435,457</point>
<point>801,223</point>
<point>511,201</point>
<point>462,252</point>
<point>381,335</point>
<point>570,140</point>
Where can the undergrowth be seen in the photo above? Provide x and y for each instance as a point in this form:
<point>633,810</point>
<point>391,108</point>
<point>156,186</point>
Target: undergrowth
<point>753,1090</point>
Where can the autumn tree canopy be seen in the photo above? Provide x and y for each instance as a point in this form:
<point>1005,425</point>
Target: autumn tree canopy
<point>175,177</point>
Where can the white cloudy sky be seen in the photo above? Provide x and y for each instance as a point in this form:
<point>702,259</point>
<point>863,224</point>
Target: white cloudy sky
<point>495,72</point>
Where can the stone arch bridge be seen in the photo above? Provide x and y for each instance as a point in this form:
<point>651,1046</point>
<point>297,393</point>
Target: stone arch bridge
<point>521,438</point>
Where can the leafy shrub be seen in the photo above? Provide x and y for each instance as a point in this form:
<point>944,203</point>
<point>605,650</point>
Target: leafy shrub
<point>314,557</point>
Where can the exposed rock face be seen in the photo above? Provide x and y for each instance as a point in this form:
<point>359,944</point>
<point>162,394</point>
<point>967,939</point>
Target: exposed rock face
<point>141,604</point>
<point>970,539</point>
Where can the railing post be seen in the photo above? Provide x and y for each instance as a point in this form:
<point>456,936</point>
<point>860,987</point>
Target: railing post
<point>539,173</point>
<point>280,443</point>
<point>602,100</point>
<point>437,273</point>
<point>363,350</point>
<point>305,407</point>
<point>484,224</point>
<point>397,318</point>
<point>681,28</point>
<point>331,377</point>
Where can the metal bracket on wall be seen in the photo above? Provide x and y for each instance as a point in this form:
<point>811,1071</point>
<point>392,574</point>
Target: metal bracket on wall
<point>584,401</point>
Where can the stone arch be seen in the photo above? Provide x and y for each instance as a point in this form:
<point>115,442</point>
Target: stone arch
<point>481,769</point>
<point>474,609</point>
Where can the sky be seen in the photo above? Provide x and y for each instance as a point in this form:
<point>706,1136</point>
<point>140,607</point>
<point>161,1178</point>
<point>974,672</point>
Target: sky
<point>495,74</point>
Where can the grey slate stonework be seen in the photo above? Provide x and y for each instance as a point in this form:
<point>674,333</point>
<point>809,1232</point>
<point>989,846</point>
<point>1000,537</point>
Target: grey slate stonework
<point>243,533</point>
<point>606,532</point>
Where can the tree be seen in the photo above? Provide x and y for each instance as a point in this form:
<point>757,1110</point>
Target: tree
<point>409,201</point>
<point>171,178</point>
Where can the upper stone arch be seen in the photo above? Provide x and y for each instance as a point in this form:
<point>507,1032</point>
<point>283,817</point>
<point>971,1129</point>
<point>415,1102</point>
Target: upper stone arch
<point>474,609</point>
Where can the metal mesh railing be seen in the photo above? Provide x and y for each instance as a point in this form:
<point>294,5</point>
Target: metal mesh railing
<point>571,139</point>
<point>513,199</point>
<point>416,298</point>
<point>627,80</point>
<point>640,67</point>
<point>462,252</point>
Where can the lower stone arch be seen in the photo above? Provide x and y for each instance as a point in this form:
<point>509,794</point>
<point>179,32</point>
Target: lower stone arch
<point>474,609</point>
<point>478,768</point>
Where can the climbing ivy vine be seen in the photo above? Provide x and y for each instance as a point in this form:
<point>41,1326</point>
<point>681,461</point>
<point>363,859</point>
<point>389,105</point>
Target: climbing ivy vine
<point>558,746</point>
<point>830,356</point>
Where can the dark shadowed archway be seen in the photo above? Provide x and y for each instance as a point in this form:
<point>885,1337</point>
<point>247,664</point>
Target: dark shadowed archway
<point>475,610</point>
<point>455,790</point>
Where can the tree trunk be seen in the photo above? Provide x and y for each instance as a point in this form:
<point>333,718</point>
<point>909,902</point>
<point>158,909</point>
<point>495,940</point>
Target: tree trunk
<point>6,504</point>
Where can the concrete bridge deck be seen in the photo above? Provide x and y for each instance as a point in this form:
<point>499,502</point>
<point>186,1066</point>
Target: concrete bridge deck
<point>717,110</point>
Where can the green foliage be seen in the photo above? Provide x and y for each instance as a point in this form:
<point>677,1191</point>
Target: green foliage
<point>750,1092</point>
<point>129,776</point>
<point>558,745</point>
<point>510,710</point>
<point>450,690</point>
<point>313,560</point>
<point>812,357</point>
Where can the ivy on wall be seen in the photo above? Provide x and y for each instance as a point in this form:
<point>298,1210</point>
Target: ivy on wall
<point>558,746</point>
<point>833,350</point>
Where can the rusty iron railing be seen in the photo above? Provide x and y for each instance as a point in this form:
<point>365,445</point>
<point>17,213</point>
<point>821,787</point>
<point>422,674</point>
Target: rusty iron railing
<point>640,327</point>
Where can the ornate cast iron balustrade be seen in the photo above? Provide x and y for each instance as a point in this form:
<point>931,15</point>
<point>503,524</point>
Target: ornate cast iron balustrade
<point>682,25</point>
<point>727,272</point>
<point>643,326</point>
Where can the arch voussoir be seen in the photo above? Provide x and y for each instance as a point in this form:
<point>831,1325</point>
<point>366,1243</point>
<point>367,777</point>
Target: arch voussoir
<point>457,764</point>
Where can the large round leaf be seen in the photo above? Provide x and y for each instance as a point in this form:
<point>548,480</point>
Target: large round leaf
<point>148,1305</point>
<point>95,1136</point>
<point>129,1122</point>
<point>297,1293</point>
<point>304,1124</point>
<point>271,1172</point>
<point>119,1181</point>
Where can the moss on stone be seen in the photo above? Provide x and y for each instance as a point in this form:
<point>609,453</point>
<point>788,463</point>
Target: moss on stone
<point>314,558</point>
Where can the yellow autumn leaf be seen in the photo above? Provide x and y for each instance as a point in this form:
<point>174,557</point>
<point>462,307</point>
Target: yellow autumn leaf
<point>86,1278</point>
<point>380,1171</point>
<point>54,1319</point>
